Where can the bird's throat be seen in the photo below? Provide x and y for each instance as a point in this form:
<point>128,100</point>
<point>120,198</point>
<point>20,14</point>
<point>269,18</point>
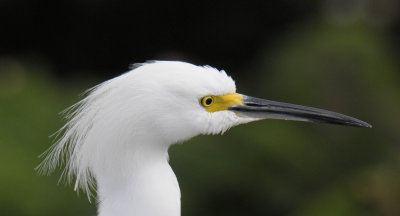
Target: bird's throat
<point>138,186</point>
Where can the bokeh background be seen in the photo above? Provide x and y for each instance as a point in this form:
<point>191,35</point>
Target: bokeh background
<point>341,55</point>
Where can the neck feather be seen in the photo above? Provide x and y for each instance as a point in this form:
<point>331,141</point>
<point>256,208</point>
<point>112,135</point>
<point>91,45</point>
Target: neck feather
<point>138,182</point>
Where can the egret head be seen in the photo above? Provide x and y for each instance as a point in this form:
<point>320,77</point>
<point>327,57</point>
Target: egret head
<point>182,100</point>
<point>158,104</point>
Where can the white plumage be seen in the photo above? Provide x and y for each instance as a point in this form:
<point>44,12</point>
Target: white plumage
<point>120,133</point>
<point>117,138</point>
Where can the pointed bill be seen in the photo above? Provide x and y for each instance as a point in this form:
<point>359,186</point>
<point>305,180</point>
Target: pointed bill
<point>267,109</point>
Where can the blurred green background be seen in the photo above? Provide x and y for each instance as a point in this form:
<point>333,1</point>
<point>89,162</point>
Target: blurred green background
<point>337,55</point>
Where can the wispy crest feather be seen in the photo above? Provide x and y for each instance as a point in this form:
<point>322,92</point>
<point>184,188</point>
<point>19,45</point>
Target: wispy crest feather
<point>70,139</point>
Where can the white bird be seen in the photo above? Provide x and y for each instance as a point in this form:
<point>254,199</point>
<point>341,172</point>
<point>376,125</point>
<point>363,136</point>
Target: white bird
<point>117,138</point>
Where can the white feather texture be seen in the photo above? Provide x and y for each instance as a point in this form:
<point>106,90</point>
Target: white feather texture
<point>117,137</point>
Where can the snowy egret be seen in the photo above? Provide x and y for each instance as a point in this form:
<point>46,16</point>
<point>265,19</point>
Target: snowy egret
<point>117,137</point>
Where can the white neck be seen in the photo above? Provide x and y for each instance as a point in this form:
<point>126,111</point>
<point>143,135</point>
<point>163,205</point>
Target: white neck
<point>139,182</point>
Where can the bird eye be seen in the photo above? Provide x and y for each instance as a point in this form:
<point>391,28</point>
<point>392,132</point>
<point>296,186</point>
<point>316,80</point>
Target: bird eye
<point>207,101</point>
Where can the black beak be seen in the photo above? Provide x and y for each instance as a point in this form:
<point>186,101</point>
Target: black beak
<point>266,109</point>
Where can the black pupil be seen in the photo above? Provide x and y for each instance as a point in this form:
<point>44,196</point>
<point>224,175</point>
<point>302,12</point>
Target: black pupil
<point>208,101</point>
